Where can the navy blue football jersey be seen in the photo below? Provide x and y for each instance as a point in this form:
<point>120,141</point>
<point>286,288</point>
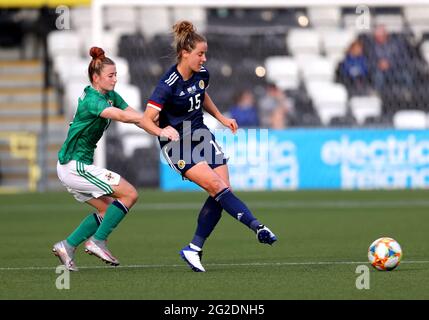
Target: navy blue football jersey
<point>179,100</point>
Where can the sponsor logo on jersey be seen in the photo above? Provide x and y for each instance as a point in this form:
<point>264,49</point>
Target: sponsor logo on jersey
<point>201,84</point>
<point>181,164</point>
<point>192,89</point>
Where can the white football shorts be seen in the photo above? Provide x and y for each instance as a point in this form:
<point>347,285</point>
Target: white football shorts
<point>86,181</point>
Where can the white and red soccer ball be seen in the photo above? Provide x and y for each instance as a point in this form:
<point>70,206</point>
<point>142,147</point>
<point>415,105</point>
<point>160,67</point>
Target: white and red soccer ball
<point>385,254</point>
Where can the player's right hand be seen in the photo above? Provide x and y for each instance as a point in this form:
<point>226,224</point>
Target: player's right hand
<point>170,133</point>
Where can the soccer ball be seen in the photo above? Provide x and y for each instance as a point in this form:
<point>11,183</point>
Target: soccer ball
<point>385,254</point>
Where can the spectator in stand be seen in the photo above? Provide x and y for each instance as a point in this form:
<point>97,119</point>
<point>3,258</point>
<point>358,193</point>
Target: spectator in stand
<point>275,108</point>
<point>354,70</point>
<point>244,110</point>
<point>389,58</point>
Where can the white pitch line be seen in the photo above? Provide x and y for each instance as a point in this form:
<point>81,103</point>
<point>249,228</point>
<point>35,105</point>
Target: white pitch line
<point>284,204</point>
<point>273,264</point>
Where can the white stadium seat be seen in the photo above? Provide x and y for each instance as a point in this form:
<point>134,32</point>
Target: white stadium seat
<point>64,42</point>
<point>329,100</point>
<point>130,93</point>
<point>336,41</point>
<point>416,15</point>
<point>410,119</point>
<point>417,19</point>
<point>424,49</point>
<point>318,69</point>
<point>197,15</point>
<point>109,43</point>
<point>120,17</point>
<point>72,92</point>
<point>392,22</point>
<point>81,17</point>
<point>155,20</point>
<point>363,107</point>
<point>305,41</point>
<point>324,16</point>
<point>283,71</point>
<point>71,69</point>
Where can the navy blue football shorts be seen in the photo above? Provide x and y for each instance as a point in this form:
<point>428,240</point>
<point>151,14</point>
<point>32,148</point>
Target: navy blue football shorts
<point>182,155</point>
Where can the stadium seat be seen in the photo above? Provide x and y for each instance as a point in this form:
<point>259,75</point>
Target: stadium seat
<point>133,138</point>
<point>80,17</point>
<point>120,17</point>
<point>109,42</point>
<point>343,121</point>
<point>336,41</point>
<point>363,107</point>
<point>324,16</point>
<point>197,15</point>
<point>122,69</point>
<point>410,119</point>
<point>303,41</point>
<point>64,42</point>
<point>72,92</point>
<point>416,14</point>
<point>211,122</point>
<point>329,99</point>
<point>71,68</point>
<point>131,94</point>
<point>283,71</point>
<point>417,18</point>
<point>392,22</point>
<point>424,49</point>
<point>154,20</point>
<point>318,69</point>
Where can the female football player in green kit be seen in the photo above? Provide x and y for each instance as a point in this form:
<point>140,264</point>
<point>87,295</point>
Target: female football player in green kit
<point>110,194</point>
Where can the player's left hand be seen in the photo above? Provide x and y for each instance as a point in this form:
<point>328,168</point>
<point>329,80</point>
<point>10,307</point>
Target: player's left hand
<point>231,124</point>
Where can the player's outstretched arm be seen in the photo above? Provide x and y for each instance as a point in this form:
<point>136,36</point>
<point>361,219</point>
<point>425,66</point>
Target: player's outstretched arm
<point>129,115</point>
<point>211,108</point>
<point>149,122</point>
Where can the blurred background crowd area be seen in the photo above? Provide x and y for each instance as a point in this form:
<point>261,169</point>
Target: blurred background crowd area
<point>278,68</point>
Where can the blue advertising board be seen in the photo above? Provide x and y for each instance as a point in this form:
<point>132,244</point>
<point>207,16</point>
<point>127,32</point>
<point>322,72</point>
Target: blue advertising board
<point>320,159</point>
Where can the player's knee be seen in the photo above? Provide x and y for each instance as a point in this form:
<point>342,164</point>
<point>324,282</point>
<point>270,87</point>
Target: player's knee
<point>215,186</point>
<point>133,196</point>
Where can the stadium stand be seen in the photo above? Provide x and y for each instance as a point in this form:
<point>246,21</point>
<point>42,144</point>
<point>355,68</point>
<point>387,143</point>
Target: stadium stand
<point>302,50</point>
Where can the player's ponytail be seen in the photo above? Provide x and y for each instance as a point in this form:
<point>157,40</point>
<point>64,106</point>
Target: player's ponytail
<point>99,60</point>
<point>185,38</point>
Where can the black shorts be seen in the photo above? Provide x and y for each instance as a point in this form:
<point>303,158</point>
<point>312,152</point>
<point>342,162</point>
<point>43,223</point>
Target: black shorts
<point>182,155</point>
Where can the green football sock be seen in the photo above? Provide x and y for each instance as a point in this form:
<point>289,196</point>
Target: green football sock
<point>87,228</point>
<point>114,215</point>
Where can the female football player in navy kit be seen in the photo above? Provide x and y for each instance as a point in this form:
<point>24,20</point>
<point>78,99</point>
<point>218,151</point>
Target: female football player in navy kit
<point>174,114</point>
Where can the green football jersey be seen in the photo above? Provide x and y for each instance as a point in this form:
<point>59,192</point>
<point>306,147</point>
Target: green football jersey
<point>87,126</point>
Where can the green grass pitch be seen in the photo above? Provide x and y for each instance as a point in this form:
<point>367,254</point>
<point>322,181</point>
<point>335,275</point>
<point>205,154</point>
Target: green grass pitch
<point>323,237</point>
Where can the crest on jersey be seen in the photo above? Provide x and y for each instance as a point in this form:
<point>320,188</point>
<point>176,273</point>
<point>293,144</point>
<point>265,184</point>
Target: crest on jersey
<point>201,84</point>
<point>109,176</point>
<point>181,164</point>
